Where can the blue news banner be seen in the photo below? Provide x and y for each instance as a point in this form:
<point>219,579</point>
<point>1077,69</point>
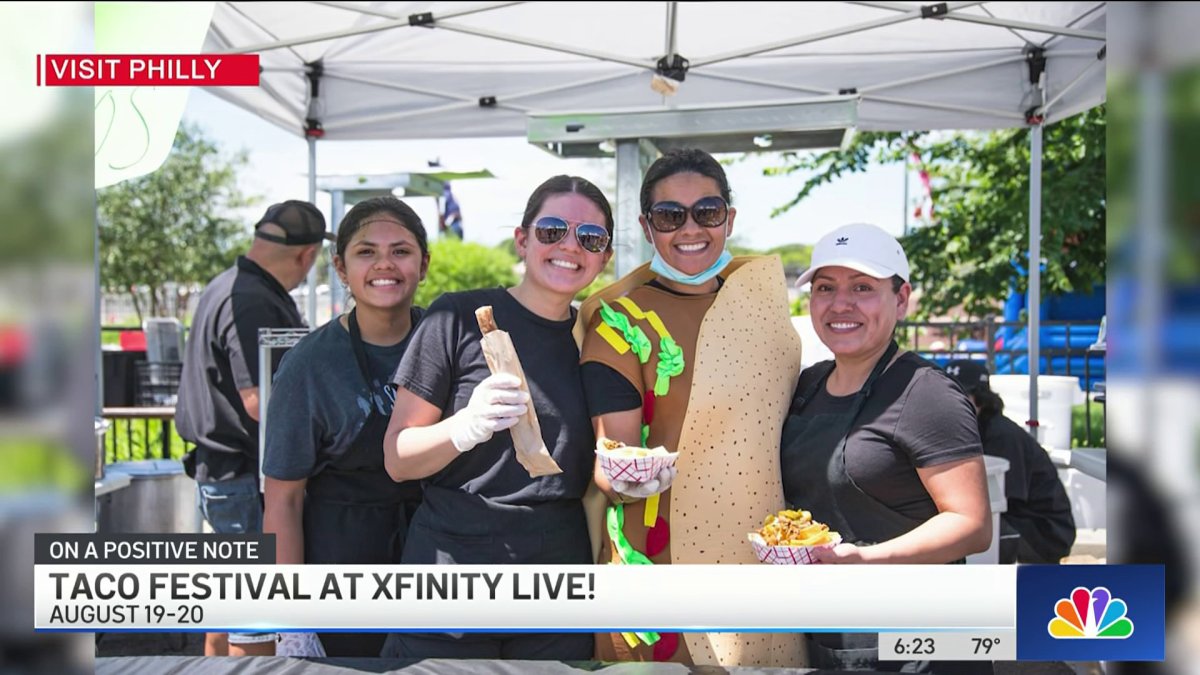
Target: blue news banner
<point>1063,612</point>
<point>1091,613</point>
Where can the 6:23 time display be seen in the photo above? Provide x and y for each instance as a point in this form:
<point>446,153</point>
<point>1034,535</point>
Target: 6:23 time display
<point>914,647</point>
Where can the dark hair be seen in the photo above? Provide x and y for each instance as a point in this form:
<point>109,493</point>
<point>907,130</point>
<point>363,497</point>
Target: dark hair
<point>563,185</point>
<point>683,160</point>
<point>990,404</point>
<point>897,283</point>
<point>362,211</point>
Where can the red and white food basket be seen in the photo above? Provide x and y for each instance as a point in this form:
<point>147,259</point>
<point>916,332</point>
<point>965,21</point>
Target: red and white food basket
<point>788,555</point>
<point>636,465</point>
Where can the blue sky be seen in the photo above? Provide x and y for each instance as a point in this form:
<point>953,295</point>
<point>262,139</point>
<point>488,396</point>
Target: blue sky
<point>492,207</point>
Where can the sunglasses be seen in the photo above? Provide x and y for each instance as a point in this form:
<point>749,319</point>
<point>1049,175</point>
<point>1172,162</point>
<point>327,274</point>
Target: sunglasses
<point>670,216</point>
<point>551,230</point>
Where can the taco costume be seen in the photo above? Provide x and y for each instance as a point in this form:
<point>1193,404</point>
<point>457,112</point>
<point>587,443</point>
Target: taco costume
<point>716,373</point>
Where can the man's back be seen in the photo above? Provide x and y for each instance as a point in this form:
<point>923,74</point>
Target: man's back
<point>220,361</point>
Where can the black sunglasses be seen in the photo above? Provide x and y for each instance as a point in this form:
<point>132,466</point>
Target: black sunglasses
<point>552,229</point>
<point>670,216</point>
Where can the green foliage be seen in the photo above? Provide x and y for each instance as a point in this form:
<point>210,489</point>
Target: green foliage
<point>795,257</point>
<point>509,246</point>
<point>605,278</point>
<point>966,254</point>
<point>1079,426</point>
<point>458,266</point>
<point>29,464</point>
<point>45,187</point>
<point>799,306</point>
<point>173,226</point>
<point>135,440</point>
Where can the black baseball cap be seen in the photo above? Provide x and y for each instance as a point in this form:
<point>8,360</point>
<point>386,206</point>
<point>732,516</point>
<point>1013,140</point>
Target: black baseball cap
<point>302,224</point>
<point>972,375</point>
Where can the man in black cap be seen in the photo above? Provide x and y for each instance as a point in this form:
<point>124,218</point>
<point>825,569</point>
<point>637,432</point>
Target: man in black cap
<point>1038,507</point>
<point>218,407</point>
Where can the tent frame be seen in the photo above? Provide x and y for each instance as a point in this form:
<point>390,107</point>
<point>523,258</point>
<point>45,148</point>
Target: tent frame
<point>632,155</point>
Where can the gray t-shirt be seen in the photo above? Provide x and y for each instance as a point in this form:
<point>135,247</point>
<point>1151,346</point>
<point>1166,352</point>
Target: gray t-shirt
<point>319,401</point>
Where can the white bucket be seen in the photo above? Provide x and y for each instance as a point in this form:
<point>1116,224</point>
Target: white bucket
<point>1056,396</point>
<point>996,468</point>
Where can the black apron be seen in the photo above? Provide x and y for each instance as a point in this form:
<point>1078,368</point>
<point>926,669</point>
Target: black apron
<point>453,527</point>
<point>354,513</point>
<point>859,517</point>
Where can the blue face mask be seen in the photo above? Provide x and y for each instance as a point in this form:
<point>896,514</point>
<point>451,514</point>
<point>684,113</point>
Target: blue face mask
<point>660,267</point>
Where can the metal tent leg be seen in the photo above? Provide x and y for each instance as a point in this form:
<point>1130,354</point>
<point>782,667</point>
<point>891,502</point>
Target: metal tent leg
<point>629,244</point>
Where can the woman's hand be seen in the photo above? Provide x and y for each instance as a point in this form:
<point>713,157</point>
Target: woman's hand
<point>842,554</point>
<point>657,485</point>
<point>496,404</point>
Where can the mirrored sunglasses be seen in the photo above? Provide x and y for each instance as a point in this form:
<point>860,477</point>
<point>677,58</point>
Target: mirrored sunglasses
<point>591,237</point>
<point>668,216</point>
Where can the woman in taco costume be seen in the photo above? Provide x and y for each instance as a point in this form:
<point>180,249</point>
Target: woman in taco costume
<point>695,352</point>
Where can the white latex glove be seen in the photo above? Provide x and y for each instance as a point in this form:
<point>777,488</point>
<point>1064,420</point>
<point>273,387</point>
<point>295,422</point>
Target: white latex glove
<point>495,405</point>
<point>657,485</point>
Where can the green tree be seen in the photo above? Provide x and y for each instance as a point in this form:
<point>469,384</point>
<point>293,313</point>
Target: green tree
<point>965,255</point>
<point>795,257</point>
<point>457,266</point>
<point>174,228</point>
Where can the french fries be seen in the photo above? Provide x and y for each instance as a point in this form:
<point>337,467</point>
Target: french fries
<point>795,528</point>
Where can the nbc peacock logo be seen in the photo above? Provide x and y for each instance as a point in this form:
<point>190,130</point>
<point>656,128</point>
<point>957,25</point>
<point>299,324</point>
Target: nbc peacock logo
<point>1090,614</point>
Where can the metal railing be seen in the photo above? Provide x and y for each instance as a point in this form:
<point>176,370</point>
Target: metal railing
<point>968,339</point>
<point>142,433</point>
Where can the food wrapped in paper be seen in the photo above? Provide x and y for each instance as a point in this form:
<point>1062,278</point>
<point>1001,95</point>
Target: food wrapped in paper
<point>791,537</point>
<point>629,463</point>
<point>501,357</point>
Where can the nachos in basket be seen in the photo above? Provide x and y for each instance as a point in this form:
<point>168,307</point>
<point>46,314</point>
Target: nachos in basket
<point>790,537</point>
<point>794,528</point>
<point>625,462</point>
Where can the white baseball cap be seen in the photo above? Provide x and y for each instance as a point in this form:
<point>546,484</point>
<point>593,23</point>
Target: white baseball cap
<point>862,247</point>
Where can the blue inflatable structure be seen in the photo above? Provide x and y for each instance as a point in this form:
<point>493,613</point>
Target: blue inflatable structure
<point>1084,311</point>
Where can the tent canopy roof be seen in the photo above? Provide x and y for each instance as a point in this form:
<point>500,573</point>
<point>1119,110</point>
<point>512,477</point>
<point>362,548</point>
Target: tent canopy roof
<point>407,70</point>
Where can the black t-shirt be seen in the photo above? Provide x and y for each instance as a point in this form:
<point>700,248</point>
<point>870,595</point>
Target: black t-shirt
<point>220,358</point>
<point>1038,506</point>
<point>320,403</point>
<point>445,362</point>
<point>916,417</point>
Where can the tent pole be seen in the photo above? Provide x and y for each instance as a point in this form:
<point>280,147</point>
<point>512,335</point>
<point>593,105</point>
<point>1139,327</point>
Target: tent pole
<point>629,245</point>
<point>672,8</point>
<point>312,198</point>
<point>337,294</point>
<point>1033,309</point>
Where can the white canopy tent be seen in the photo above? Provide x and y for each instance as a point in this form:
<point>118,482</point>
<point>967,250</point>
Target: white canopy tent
<point>408,70</point>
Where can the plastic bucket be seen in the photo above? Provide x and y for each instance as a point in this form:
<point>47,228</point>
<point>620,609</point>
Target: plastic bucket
<point>160,498</point>
<point>101,430</point>
<point>996,468</point>
<point>1056,396</point>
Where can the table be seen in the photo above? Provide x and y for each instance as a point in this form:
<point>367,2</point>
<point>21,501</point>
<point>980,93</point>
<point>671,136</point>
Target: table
<point>111,483</point>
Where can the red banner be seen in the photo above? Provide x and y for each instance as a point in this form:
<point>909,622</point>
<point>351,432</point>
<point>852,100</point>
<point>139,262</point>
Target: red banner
<point>148,70</point>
